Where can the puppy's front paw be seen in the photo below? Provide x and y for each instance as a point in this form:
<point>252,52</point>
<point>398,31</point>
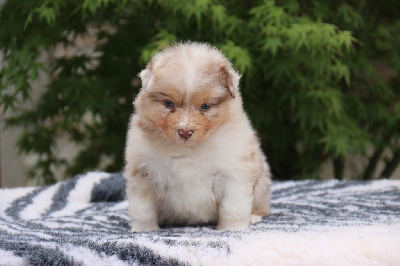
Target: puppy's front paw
<point>233,225</point>
<point>144,228</point>
<point>255,218</point>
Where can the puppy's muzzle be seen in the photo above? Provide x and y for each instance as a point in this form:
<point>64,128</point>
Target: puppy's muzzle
<point>185,133</point>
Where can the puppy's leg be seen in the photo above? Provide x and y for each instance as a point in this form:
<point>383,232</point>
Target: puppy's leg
<point>262,193</point>
<point>141,205</point>
<point>235,206</point>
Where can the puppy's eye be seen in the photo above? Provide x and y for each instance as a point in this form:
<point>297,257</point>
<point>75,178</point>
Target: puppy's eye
<point>169,104</point>
<point>205,107</point>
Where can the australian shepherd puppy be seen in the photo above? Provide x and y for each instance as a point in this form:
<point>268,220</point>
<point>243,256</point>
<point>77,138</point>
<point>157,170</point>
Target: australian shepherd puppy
<point>192,156</point>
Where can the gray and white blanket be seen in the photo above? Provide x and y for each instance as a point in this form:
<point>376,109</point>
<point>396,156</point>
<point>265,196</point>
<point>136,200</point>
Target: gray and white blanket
<point>84,221</point>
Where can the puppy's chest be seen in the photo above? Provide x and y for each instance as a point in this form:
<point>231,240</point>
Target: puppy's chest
<point>181,168</point>
<point>182,175</point>
<point>187,190</point>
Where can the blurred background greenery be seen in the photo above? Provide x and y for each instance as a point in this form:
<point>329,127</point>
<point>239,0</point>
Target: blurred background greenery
<point>320,78</point>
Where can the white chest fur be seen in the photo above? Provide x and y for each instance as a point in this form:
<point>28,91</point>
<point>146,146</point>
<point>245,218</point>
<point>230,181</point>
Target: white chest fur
<point>187,189</point>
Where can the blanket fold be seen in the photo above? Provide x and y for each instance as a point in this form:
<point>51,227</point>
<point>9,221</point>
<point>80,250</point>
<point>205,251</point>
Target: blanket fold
<point>84,221</point>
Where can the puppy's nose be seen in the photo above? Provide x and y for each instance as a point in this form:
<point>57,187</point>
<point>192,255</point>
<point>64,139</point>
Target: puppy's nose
<point>185,133</point>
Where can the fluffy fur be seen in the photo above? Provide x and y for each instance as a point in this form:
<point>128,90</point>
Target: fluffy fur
<point>192,156</point>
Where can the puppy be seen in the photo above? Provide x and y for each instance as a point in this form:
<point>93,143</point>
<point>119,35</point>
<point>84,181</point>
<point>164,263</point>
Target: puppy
<point>192,156</point>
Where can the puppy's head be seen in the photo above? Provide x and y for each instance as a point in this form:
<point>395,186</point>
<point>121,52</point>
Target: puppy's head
<point>187,93</point>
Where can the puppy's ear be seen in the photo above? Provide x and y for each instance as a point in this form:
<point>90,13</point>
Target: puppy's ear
<point>230,79</point>
<point>147,77</point>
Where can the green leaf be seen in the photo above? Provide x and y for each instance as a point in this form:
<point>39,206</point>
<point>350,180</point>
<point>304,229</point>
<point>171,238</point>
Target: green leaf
<point>320,78</point>
<point>273,44</point>
<point>239,55</point>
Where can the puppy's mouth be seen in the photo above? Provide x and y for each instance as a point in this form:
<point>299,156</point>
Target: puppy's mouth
<point>187,143</point>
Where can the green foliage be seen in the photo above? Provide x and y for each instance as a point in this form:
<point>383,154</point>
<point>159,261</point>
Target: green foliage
<point>320,79</point>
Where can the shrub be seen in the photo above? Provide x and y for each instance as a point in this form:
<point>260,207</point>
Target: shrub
<point>320,79</point>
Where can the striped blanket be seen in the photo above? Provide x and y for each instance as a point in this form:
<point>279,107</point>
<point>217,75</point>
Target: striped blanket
<point>84,221</point>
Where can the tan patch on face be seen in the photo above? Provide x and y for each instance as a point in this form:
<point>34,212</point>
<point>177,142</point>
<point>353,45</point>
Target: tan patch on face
<point>219,73</point>
<point>167,94</point>
<point>226,80</point>
<point>186,114</point>
<point>205,122</point>
<point>210,95</point>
